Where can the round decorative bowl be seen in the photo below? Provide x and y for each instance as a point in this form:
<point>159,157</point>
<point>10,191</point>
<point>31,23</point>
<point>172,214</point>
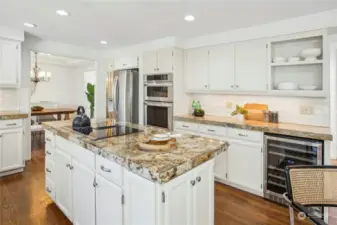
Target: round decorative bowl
<point>37,108</point>
<point>311,54</point>
<point>199,114</point>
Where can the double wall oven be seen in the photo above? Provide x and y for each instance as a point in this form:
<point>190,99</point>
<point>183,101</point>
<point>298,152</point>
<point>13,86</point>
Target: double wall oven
<point>158,100</point>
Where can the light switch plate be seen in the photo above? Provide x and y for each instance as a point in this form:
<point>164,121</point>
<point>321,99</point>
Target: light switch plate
<point>306,110</point>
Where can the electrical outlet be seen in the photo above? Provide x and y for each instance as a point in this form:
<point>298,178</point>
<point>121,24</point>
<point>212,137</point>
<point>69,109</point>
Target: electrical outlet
<point>306,110</point>
<point>229,105</point>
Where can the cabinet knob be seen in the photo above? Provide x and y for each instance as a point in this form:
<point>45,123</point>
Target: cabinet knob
<point>48,190</point>
<point>47,152</point>
<point>157,69</point>
<point>198,178</point>
<point>237,86</point>
<point>232,86</point>
<point>71,167</point>
<point>95,184</point>
<point>68,165</point>
<point>206,86</point>
<point>48,170</point>
<point>192,182</point>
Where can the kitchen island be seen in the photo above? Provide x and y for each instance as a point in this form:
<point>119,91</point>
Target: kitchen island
<point>112,181</point>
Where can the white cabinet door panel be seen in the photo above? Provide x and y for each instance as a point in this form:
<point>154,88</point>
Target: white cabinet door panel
<point>109,208</point>
<point>150,62</point>
<point>196,65</point>
<point>251,65</point>
<point>203,196</point>
<point>63,183</point>
<point>125,62</point>
<point>221,68</point>
<point>11,152</point>
<point>245,165</point>
<point>165,60</point>
<point>83,194</point>
<point>9,56</point>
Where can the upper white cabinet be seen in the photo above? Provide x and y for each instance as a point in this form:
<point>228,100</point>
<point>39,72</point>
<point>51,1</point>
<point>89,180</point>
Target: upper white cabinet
<point>160,61</point>
<point>196,69</point>
<point>221,68</point>
<point>11,150</point>
<point>251,65</point>
<point>125,63</point>
<point>10,55</point>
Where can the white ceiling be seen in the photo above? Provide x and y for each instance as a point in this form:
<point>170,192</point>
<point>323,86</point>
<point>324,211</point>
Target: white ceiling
<point>44,58</point>
<point>125,22</point>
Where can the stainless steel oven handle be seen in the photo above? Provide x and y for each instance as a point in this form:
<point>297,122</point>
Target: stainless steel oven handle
<point>159,84</point>
<point>159,104</point>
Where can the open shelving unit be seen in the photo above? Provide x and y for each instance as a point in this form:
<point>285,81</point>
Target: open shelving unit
<point>302,73</point>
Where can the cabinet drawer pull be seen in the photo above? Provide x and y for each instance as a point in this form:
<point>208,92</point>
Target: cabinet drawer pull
<point>48,139</point>
<point>105,169</point>
<point>210,130</point>
<point>48,190</point>
<point>48,170</point>
<point>48,152</point>
<point>11,124</point>
<point>192,182</point>
<point>185,126</point>
<point>243,135</point>
<point>68,165</point>
<point>198,178</point>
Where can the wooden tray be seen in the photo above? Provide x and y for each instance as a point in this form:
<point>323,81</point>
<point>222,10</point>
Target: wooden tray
<point>255,111</point>
<point>151,145</point>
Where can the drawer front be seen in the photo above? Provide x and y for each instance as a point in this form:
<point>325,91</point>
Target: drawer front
<point>49,138</point>
<point>50,188</point>
<point>50,151</point>
<point>185,126</point>
<point>213,130</point>
<point>83,155</point>
<point>4,124</point>
<point>247,135</point>
<point>109,170</point>
<point>49,170</point>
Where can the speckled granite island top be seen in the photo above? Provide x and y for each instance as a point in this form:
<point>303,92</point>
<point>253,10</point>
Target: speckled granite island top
<point>306,131</point>
<point>11,115</point>
<point>159,167</point>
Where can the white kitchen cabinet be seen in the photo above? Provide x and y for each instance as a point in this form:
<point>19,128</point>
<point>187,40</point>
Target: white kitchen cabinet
<point>203,196</point>
<point>244,165</point>
<point>160,61</point>
<point>109,208</point>
<point>220,167</point>
<point>178,201</point>
<point>196,69</point>
<point>9,63</point>
<point>165,60</point>
<point>221,68</point>
<point>11,149</point>
<point>251,65</point>
<point>125,63</point>
<point>140,200</point>
<point>83,193</point>
<point>63,183</point>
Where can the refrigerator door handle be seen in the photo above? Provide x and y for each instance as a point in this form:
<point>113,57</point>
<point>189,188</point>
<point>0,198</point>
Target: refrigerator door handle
<point>114,95</point>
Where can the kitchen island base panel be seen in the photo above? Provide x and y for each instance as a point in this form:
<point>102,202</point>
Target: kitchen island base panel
<point>7,173</point>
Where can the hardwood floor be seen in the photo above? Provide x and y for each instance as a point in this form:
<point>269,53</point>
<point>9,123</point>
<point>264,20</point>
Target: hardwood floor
<point>23,201</point>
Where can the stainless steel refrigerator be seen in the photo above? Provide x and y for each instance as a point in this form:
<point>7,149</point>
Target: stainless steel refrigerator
<point>122,91</point>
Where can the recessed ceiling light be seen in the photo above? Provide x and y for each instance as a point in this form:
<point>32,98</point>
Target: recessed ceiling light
<point>31,25</point>
<point>189,18</point>
<point>62,13</point>
<point>103,42</point>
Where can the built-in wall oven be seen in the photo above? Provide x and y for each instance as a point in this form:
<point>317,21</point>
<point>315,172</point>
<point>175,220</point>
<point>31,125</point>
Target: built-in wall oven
<point>158,100</point>
<point>281,151</point>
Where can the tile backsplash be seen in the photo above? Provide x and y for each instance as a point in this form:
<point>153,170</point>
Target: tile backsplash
<point>9,99</point>
<point>288,107</point>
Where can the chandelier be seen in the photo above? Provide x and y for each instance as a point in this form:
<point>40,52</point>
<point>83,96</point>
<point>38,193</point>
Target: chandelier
<point>37,75</point>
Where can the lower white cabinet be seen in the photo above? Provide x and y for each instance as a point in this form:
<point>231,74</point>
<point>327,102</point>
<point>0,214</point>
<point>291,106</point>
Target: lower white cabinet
<point>109,202</point>
<point>244,165</point>
<point>83,193</point>
<point>63,183</point>
<point>220,167</point>
<point>11,149</point>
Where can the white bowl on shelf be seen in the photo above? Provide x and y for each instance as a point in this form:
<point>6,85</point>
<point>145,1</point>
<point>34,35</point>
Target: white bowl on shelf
<point>279,59</point>
<point>294,59</point>
<point>311,54</point>
<point>287,86</point>
<point>308,87</point>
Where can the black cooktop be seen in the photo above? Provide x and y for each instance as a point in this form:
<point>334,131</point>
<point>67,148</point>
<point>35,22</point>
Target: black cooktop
<point>106,131</point>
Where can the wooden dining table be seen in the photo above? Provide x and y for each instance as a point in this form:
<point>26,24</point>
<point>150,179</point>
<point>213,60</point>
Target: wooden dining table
<point>55,111</point>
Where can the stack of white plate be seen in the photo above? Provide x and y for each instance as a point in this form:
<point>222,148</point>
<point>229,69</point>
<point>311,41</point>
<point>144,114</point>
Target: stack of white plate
<point>287,86</point>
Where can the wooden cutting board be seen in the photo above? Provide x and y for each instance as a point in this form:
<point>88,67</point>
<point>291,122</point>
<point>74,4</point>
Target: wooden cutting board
<point>150,145</point>
<point>255,111</point>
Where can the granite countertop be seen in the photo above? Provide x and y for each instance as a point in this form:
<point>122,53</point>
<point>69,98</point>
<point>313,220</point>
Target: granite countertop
<point>159,167</point>
<point>11,115</point>
<point>306,131</point>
